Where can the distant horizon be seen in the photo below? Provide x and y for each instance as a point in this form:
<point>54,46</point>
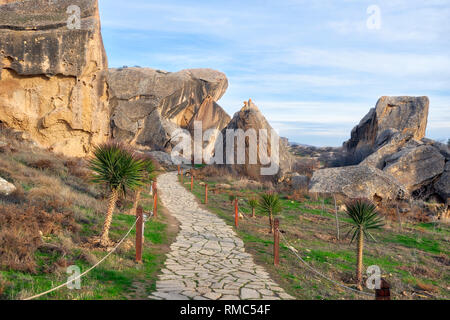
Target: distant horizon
<point>313,69</point>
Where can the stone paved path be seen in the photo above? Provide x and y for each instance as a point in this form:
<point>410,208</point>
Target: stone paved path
<point>207,259</point>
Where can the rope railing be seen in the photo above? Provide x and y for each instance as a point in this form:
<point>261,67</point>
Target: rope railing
<point>294,251</point>
<point>88,270</point>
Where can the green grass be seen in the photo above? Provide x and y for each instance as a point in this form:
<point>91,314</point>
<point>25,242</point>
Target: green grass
<point>420,243</point>
<point>311,230</point>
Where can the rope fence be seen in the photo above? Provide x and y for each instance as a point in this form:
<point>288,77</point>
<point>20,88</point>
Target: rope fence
<point>295,252</point>
<point>88,270</point>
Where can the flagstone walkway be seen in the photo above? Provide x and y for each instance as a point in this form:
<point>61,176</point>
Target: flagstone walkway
<point>207,259</point>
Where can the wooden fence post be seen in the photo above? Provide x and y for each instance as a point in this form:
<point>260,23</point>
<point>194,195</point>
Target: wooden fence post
<point>178,167</point>
<point>206,193</point>
<point>337,218</point>
<point>192,181</point>
<point>181,175</point>
<point>384,293</point>
<point>276,242</point>
<point>155,200</point>
<point>236,212</point>
<point>139,233</point>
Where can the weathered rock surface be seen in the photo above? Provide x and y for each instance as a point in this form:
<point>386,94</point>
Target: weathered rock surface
<point>405,114</point>
<point>299,181</point>
<point>415,166</point>
<point>148,105</point>
<point>250,119</point>
<point>52,81</point>
<point>391,138</point>
<point>442,185</point>
<point>6,188</point>
<point>359,181</point>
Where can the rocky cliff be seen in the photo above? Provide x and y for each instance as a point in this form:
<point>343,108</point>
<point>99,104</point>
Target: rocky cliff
<point>147,105</point>
<point>391,140</point>
<point>52,80</point>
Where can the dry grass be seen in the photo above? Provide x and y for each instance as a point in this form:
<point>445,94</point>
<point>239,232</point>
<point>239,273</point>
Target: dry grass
<point>22,232</point>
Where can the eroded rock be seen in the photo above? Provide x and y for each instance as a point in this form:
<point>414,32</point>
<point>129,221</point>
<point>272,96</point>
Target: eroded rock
<point>405,114</point>
<point>415,166</point>
<point>359,181</point>
<point>52,81</point>
<point>276,163</point>
<point>148,105</point>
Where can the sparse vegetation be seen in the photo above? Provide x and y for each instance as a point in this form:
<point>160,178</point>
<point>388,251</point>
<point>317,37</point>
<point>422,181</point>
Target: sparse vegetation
<point>364,217</point>
<point>413,260</point>
<point>120,171</point>
<point>47,223</point>
<point>269,203</point>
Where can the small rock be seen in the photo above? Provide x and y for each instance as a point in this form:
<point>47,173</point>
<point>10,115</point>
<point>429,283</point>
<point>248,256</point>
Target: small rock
<point>6,188</point>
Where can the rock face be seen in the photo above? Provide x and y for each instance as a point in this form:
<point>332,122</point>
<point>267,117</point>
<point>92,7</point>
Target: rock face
<point>299,181</point>
<point>442,185</point>
<point>250,118</point>
<point>405,114</point>
<point>6,188</point>
<point>390,139</point>
<point>415,166</point>
<point>147,105</point>
<point>359,181</point>
<point>52,80</point>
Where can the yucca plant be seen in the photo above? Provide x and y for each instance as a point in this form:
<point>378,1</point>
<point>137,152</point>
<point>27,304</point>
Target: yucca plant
<point>149,174</point>
<point>364,217</point>
<point>270,204</point>
<point>117,168</point>
<point>253,203</point>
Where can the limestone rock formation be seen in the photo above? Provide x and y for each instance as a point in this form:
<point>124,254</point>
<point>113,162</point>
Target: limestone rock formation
<point>391,138</point>
<point>147,105</point>
<point>415,166</point>
<point>247,119</point>
<point>442,185</point>
<point>52,81</point>
<point>405,114</point>
<point>360,181</point>
<point>6,188</point>
<point>299,181</point>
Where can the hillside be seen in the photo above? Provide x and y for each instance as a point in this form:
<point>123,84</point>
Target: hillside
<point>48,222</point>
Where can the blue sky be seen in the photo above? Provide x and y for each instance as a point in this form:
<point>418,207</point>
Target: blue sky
<point>314,68</point>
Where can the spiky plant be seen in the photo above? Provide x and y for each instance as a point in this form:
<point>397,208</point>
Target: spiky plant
<point>117,168</point>
<point>149,174</point>
<point>364,217</point>
<point>270,204</point>
<point>253,203</point>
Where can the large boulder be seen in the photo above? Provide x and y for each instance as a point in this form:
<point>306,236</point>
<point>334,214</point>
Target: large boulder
<point>52,81</point>
<point>442,185</point>
<point>299,181</point>
<point>407,115</point>
<point>415,167</point>
<point>248,119</point>
<point>6,188</point>
<point>148,105</point>
<point>358,181</point>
